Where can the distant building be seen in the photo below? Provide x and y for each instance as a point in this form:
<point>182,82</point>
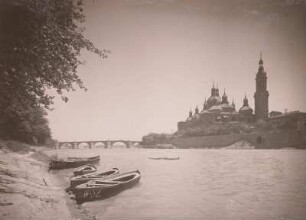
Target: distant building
<point>217,110</point>
<point>261,95</point>
<point>246,112</point>
<point>290,121</point>
<point>275,113</point>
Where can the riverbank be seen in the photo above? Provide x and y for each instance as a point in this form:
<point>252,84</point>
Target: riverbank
<point>29,191</point>
<point>260,140</point>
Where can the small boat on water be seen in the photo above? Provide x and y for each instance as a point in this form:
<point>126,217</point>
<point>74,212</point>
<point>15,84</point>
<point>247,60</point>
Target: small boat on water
<point>88,168</point>
<point>106,187</point>
<point>164,158</point>
<point>72,162</point>
<point>74,181</point>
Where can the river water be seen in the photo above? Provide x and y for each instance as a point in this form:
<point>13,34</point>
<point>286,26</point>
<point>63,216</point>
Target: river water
<point>204,184</point>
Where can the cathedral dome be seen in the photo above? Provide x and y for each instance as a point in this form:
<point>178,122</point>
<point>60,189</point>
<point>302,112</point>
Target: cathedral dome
<point>215,108</point>
<point>213,100</point>
<point>246,110</point>
<point>227,107</point>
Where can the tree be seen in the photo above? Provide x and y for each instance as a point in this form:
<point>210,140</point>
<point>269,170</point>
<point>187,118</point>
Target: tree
<point>40,42</point>
<point>155,138</point>
<point>26,124</point>
<point>40,46</point>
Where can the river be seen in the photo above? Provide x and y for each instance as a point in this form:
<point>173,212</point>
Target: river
<point>204,184</point>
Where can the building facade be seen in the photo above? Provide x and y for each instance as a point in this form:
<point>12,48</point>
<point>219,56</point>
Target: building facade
<point>217,109</point>
<point>217,113</point>
<point>294,120</point>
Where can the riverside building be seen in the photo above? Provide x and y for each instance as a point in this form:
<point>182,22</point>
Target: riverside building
<point>218,111</point>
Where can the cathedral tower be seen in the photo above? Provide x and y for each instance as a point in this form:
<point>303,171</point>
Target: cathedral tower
<point>261,95</point>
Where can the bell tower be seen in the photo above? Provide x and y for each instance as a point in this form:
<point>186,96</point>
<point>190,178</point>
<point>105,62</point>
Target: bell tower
<point>261,95</point>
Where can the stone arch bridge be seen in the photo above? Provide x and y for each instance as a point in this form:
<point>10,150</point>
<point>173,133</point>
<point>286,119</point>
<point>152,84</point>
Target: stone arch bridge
<point>94,144</point>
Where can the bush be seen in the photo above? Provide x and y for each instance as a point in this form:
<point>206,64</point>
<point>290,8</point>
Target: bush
<point>49,142</point>
<point>15,146</point>
<point>154,138</point>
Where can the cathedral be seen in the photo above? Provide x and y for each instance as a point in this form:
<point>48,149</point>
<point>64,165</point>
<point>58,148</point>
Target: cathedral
<point>217,109</point>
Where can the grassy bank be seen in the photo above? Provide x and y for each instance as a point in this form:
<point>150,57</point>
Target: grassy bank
<point>15,146</point>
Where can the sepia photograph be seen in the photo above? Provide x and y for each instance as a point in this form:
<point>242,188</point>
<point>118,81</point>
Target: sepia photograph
<point>152,109</point>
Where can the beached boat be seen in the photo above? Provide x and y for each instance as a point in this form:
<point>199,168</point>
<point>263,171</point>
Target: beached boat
<point>74,181</point>
<point>88,168</point>
<point>164,158</point>
<point>56,164</point>
<point>106,187</point>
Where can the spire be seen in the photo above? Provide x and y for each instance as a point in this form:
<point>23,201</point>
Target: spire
<point>190,114</point>
<point>233,103</point>
<point>224,91</point>
<point>196,110</point>
<point>245,101</point>
<point>204,105</point>
<point>260,60</point>
<point>224,97</point>
<point>217,90</point>
<point>213,90</point>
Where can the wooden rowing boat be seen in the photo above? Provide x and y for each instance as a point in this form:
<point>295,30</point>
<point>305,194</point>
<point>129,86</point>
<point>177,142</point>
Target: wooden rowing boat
<point>56,164</point>
<point>88,168</point>
<point>106,187</point>
<point>164,158</point>
<point>74,181</point>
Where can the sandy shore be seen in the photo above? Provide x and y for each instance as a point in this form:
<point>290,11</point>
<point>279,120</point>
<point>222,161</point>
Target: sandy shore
<point>29,191</point>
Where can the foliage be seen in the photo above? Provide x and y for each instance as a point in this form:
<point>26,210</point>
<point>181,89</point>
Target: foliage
<point>40,42</point>
<point>49,142</point>
<point>25,124</point>
<point>14,146</point>
<point>154,138</point>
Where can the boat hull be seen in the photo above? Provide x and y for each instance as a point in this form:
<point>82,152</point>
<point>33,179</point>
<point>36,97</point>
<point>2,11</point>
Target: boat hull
<point>83,194</point>
<point>164,158</point>
<point>88,168</point>
<point>85,178</point>
<point>72,163</point>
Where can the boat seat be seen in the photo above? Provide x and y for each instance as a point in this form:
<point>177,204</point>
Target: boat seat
<point>102,183</point>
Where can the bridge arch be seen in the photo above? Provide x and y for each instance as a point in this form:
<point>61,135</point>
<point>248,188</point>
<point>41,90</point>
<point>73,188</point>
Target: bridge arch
<point>99,144</point>
<point>118,144</point>
<point>65,145</point>
<point>83,145</point>
<point>135,144</point>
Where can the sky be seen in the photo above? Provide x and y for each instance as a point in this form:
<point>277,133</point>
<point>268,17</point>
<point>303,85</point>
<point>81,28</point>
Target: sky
<point>165,56</point>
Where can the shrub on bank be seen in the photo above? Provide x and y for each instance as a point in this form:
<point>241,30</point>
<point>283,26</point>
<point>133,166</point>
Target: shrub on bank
<point>49,142</point>
<point>15,146</point>
<point>155,138</point>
